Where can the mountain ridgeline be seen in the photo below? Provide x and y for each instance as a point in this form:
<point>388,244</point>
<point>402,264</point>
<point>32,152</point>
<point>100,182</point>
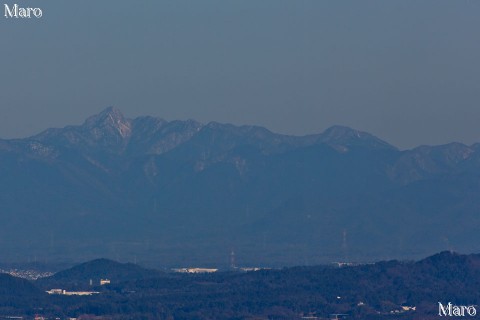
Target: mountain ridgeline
<point>182,192</point>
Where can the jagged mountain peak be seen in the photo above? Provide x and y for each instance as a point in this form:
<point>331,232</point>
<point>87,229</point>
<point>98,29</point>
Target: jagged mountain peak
<point>110,119</point>
<point>342,136</point>
<point>338,131</point>
<point>111,114</point>
<point>242,129</point>
<point>343,133</point>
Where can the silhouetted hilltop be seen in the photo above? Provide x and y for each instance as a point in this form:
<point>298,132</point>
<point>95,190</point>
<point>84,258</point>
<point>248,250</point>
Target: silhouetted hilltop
<point>80,275</point>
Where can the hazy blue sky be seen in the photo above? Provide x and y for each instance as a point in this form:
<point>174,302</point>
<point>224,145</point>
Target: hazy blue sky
<point>406,71</point>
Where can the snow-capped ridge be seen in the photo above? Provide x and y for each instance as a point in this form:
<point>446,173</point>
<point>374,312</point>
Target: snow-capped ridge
<point>342,136</point>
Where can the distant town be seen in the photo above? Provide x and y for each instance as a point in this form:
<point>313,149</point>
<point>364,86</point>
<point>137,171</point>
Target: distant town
<point>27,274</point>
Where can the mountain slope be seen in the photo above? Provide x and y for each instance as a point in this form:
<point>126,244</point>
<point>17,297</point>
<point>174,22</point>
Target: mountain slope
<point>16,293</point>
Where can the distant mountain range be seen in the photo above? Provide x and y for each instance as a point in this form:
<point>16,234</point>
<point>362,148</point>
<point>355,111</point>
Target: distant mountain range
<point>175,193</point>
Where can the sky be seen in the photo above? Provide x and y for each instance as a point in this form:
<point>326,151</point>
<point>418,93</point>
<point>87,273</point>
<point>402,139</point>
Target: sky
<point>406,71</point>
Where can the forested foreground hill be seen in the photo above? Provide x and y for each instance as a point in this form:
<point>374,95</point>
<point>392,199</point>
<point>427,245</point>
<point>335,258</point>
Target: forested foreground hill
<point>383,290</point>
